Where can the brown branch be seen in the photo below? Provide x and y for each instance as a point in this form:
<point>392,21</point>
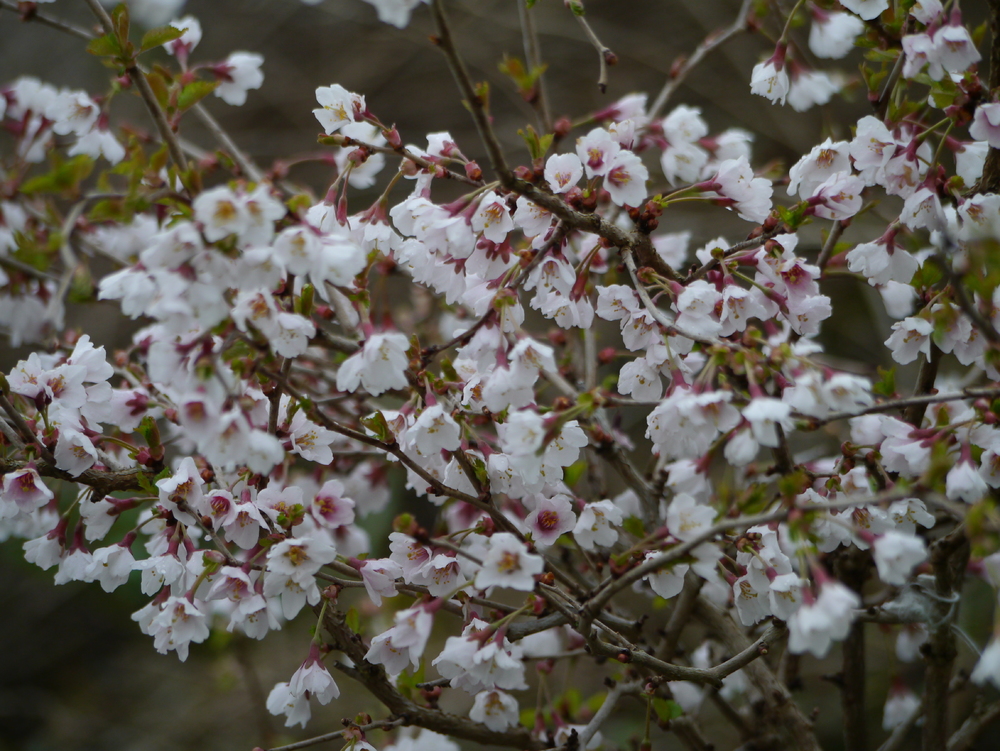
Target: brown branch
<point>926,376</point>
<point>851,567</point>
<point>754,242</point>
<point>244,162</point>
<point>374,678</point>
<point>708,44</point>
<point>831,243</point>
<point>905,403</point>
<point>604,54</point>
<point>781,717</point>
<point>976,723</point>
<point>46,20</point>
<point>533,59</point>
<point>145,91</point>
<point>948,557</point>
<point>339,734</point>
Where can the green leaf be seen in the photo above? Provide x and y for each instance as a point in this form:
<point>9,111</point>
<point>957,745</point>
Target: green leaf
<point>537,145</point>
<point>886,384</point>
<point>159,36</point>
<point>120,20</point>
<point>633,525</point>
<point>105,46</point>
<point>376,423</point>
<point>194,92</point>
<point>63,177</point>
<point>353,621</point>
<point>666,709</point>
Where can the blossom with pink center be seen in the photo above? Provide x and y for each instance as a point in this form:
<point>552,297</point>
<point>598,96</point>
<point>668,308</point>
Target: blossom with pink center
<point>509,564</point>
<point>597,151</point>
<point>625,179</point>
<point>551,518</point>
<point>563,171</point>
<point>331,508</point>
<point>379,576</point>
<point>23,490</point>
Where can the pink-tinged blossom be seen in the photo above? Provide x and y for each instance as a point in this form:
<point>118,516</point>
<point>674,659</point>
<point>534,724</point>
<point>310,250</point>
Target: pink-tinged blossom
<point>751,196</point>
<point>596,525</point>
<point>495,709</point>
<point>403,643</point>
<point>493,218</point>
<point>839,197</point>
<point>23,490</point>
<point>872,148</point>
<point>188,40</point>
<point>923,209</point>
<point>331,507</point>
<point>379,577</point>
<point>817,624</point>
<point>287,333</point>
<point>563,171</point>
<point>337,107</point>
<point>867,9</point>
<point>927,11</point>
<point>313,679</point>
<point>179,623</point>
<point>980,215</point>
<point>954,48</point>
<point>822,162</point>
<point>474,666</point>
<point>986,124</point>
<point>509,564</point>
<point>696,306</point>
<point>379,366</point>
<point>551,518</point>
<point>770,79</point>
<point>281,504</point>
<point>910,338</point>
<point>597,151</point>
<point>625,179</point>
<point>182,492</point>
<point>75,453</point>
<point>832,35</point>
<point>896,554</point>
<point>237,74</point>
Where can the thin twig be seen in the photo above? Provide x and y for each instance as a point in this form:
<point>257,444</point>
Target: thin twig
<point>708,44</point>
<point>533,59</point>
<point>339,734</point>
<point>604,54</point>
<point>146,91</point>
<point>245,163</point>
<point>46,20</point>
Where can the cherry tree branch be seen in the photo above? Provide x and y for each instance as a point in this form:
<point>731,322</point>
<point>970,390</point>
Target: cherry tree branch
<point>374,678</point>
<point>46,20</point>
<point>982,716</point>
<point>533,59</point>
<point>145,91</point>
<point>604,54</point>
<point>710,42</point>
<point>339,734</point>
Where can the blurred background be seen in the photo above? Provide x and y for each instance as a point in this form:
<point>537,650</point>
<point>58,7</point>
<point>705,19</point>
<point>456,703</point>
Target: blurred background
<point>75,673</point>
